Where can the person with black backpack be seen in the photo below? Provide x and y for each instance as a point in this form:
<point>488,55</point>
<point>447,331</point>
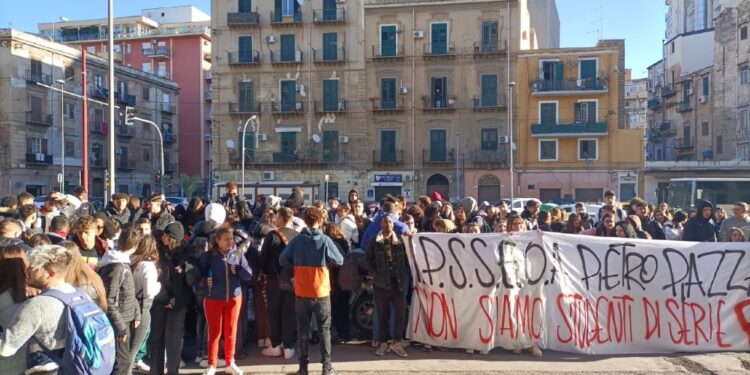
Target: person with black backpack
<point>54,321</point>
<point>123,309</point>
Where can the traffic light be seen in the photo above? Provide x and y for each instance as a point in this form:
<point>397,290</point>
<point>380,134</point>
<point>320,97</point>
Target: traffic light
<point>157,177</point>
<point>129,115</point>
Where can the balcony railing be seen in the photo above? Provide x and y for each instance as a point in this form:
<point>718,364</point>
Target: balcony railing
<point>667,128</point>
<point>486,48</point>
<point>277,57</point>
<point>97,91</point>
<point>280,157</point>
<point>291,108</point>
<point>163,74</point>
<point>329,15</point>
<point>158,52</point>
<point>543,85</point>
<point>279,18</point>
<point>570,129</point>
<point>244,57</point>
<point>142,33</point>
<point>124,163</point>
<point>668,90</point>
<point>244,108</point>
<point>685,105</point>
<point>336,107</point>
<point>387,52</point>
<point>125,131</point>
<point>435,157</point>
<point>334,55</point>
<point>129,100</point>
<point>479,156</point>
<point>38,158</point>
<point>388,157</point>
<point>655,103</point>
<point>101,128</point>
<point>38,118</point>
<point>168,108</point>
<point>396,105</point>
<point>169,138</point>
<point>208,95</point>
<point>488,104</point>
<point>39,77</point>
<point>439,104</point>
<point>436,50</point>
<point>243,19</point>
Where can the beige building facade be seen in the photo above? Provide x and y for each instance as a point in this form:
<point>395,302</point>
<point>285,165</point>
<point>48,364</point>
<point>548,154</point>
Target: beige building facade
<point>32,115</point>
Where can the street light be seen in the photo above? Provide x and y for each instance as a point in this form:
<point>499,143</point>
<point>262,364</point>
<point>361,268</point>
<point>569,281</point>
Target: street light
<point>252,119</point>
<point>62,19</point>
<point>62,130</point>
<point>130,115</point>
<point>511,85</point>
<point>326,178</point>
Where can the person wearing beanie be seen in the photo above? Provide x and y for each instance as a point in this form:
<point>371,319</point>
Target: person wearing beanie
<point>155,213</point>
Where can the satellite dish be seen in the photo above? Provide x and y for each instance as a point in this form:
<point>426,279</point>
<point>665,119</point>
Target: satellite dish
<point>230,144</point>
<point>316,138</point>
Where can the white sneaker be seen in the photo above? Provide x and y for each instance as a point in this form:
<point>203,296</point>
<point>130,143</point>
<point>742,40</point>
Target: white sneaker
<point>272,351</point>
<point>264,343</point>
<point>140,366</point>
<point>204,363</point>
<point>210,371</point>
<point>233,369</point>
<point>47,367</point>
<point>198,359</point>
<point>289,353</point>
<point>182,364</point>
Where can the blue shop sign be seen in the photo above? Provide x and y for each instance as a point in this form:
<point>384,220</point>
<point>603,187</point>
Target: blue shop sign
<point>388,178</point>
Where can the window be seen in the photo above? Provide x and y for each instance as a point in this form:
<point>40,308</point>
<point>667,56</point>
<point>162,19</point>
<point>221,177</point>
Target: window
<point>686,139</point>
<point>438,148</point>
<point>743,124</point>
<point>588,149</point>
<point>587,69</point>
<point>548,112</point>
<point>439,88</point>
<point>671,47</point>
<point>388,145</point>
<point>287,7</point>
<point>489,90</point>
<point>719,144</point>
<point>744,76</point>
<point>289,145</point>
<point>706,86</point>
<point>330,95</point>
<point>704,128</point>
<point>70,148</point>
<point>552,71</point>
<point>330,46</point>
<point>146,93</point>
<point>146,154</point>
<point>489,36</point>
<point>36,145</point>
<point>246,96</point>
<point>70,110</point>
<point>330,146</point>
<point>287,47</point>
<point>585,112</point>
<point>489,139</point>
<point>388,42</point>
<point>288,92</point>
<point>244,6</point>
<point>245,49</point>
<point>743,33</point>
<point>548,150</point>
<point>388,93</point>
<point>146,67</point>
<point>161,70</point>
<point>70,72</point>
<point>439,38</point>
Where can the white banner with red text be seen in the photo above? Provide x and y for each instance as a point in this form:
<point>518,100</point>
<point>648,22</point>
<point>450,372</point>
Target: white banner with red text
<point>579,294</point>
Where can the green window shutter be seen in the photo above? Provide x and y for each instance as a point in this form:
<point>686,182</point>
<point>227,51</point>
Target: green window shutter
<point>288,95</point>
<point>277,9</point>
<point>437,145</point>
<point>706,86</point>
<point>246,96</point>
<point>245,6</point>
<point>245,44</point>
<point>439,38</point>
<point>489,36</point>
<point>559,71</point>
<point>588,69</point>
<point>330,145</point>
<point>330,46</point>
<point>388,41</point>
<point>287,47</point>
<point>388,145</point>
<point>329,10</point>
<point>548,113</point>
<point>330,95</point>
<point>388,93</point>
<point>288,145</point>
<point>489,90</point>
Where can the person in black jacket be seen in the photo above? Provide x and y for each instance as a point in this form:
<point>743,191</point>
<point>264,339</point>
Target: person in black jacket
<point>117,209</point>
<point>700,227</point>
<point>170,304</point>
<point>238,211</point>
<point>123,309</point>
<point>155,213</point>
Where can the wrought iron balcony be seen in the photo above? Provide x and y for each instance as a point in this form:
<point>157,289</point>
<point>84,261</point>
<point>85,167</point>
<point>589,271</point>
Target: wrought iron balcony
<point>280,57</point>
<point>489,104</point>
<point>124,163</point>
<point>482,48</point>
<point>395,105</point>
<point>329,15</point>
<point>39,77</point>
<point>387,52</point>
<point>685,105</point>
<point>244,57</point>
<point>437,157</point>
<point>168,108</point>
<point>125,131</point>
<point>281,108</point>
<point>383,157</point>
<point>439,104</point>
<point>336,107</point>
<point>158,52</point>
<point>490,157</point>
<point>280,19</point>
<point>243,19</point>
<point>333,55</point>
<point>569,130</point>
<point>38,118</point>
<point>575,85</point>
<point>244,108</point>
<point>38,158</point>
<point>439,50</point>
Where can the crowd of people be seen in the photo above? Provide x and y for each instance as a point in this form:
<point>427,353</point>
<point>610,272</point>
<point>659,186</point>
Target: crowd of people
<point>127,285</point>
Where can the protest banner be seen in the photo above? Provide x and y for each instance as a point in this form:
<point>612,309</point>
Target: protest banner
<point>579,294</point>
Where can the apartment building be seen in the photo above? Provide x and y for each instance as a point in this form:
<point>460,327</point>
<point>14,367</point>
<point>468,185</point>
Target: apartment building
<point>574,138</point>
<point>636,101</point>
<point>412,102</point>
<point>173,43</point>
<point>34,118</point>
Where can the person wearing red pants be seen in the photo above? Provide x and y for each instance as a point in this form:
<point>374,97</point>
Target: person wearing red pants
<point>223,267</point>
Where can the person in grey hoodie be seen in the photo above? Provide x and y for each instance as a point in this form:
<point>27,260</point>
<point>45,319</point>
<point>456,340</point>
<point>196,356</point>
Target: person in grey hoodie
<point>740,220</point>
<point>123,309</point>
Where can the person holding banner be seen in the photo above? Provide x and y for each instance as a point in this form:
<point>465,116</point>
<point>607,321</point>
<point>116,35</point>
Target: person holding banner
<point>386,262</point>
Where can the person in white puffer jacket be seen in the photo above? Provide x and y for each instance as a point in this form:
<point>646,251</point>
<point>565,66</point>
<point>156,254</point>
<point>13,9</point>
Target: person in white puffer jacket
<point>146,285</point>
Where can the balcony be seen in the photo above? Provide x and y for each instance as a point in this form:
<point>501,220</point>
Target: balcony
<point>38,158</point>
<point>574,86</point>
<point>129,100</point>
<point>278,19</point>
<point>685,106</point>
<point>488,104</point>
<point>163,74</point>
<point>169,138</point>
<point>384,158</point>
<point>654,104</point>
<point>35,77</point>
<point>208,95</point>
<point>393,106</point>
<point>38,118</point>
<point>97,163</point>
<point>208,116</point>
<point>437,158</point>
<point>590,129</point>
<point>336,107</point>
<point>487,49</point>
<point>432,51</point>
<point>168,108</point>
<point>125,164</point>
<point>74,34</point>
<point>438,104</point>
<point>329,15</point>
<point>489,158</point>
<point>99,128</point>
<point>244,109</point>
<point>668,90</point>
<point>244,57</point>
<point>684,145</point>
<point>387,53</point>
<point>280,157</point>
<point>160,52</point>
<point>277,57</point>
<point>125,131</point>
<point>170,167</point>
<point>326,56</point>
<point>287,109</point>
<point>667,128</point>
<point>97,92</point>
<point>239,19</point>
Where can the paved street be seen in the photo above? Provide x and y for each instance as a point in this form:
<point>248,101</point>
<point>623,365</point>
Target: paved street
<point>359,359</point>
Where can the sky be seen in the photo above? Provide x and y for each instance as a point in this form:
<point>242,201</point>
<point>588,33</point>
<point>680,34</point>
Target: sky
<point>639,22</point>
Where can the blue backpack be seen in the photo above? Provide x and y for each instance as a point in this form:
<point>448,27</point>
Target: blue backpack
<point>89,337</point>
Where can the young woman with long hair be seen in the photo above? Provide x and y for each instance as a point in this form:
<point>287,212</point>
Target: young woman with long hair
<point>81,275</point>
<point>146,284</point>
<point>13,293</point>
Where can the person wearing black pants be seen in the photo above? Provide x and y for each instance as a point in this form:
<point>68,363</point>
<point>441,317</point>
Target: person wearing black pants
<point>167,329</point>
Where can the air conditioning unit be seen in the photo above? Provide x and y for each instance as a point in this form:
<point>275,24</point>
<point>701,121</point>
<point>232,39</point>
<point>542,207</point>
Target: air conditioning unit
<point>262,137</point>
<point>503,139</point>
<point>342,106</point>
<point>343,139</point>
<point>269,176</point>
<point>300,88</point>
<point>702,98</point>
<point>270,39</point>
<point>298,55</point>
<point>403,90</point>
<point>298,106</point>
<point>418,34</point>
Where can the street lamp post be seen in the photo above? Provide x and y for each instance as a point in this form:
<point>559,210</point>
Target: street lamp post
<point>326,192</point>
<point>161,147</point>
<point>244,129</point>
<point>62,135</point>
<point>511,85</point>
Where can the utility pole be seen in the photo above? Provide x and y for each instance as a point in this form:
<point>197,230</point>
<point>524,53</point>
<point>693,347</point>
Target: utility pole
<point>111,60</point>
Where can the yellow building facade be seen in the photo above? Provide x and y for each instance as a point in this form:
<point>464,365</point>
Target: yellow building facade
<point>574,141</point>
